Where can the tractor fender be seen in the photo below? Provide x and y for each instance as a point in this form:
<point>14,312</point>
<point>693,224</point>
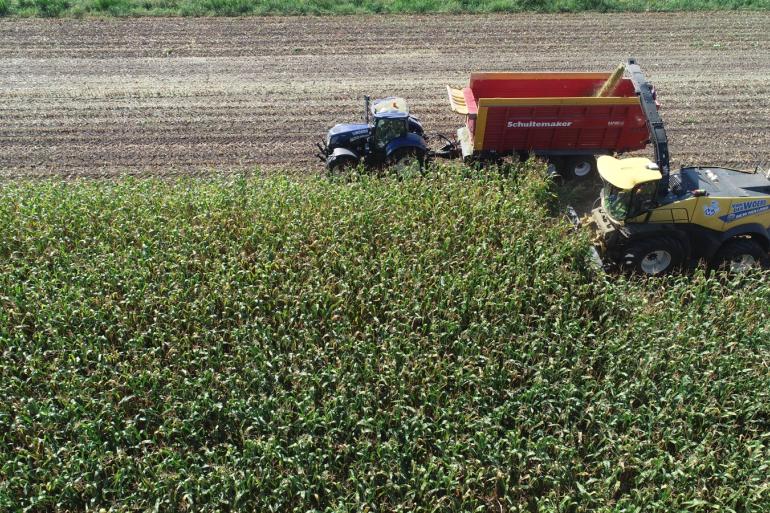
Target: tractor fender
<point>340,153</point>
<point>410,140</point>
<point>758,232</point>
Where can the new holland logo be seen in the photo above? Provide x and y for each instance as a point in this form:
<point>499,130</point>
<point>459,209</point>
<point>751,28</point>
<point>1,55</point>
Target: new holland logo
<point>712,209</point>
<point>745,209</point>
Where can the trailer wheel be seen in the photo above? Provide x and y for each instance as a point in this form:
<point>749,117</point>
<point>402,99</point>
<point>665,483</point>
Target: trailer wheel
<point>654,256</point>
<point>581,167</point>
<point>740,255</point>
<point>555,168</point>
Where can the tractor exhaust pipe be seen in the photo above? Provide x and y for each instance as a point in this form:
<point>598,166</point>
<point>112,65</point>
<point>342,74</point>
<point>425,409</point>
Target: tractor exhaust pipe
<point>367,100</point>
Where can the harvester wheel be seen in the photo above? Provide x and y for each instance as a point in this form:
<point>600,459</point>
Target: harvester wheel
<point>654,256</point>
<point>740,255</point>
<point>581,168</point>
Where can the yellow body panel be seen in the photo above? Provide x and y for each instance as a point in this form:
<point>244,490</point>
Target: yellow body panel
<point>671,214</point>
<point>712,212</point>
<point>627,173</point>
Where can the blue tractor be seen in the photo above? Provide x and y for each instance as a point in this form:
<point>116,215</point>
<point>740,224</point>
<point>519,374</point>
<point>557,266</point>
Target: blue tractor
<point>389,137</point>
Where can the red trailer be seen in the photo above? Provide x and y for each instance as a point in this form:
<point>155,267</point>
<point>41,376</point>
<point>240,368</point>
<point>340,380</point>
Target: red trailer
<point>567,118</point>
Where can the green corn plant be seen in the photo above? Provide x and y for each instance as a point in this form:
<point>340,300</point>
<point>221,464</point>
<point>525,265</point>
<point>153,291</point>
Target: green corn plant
<point>434,343</point>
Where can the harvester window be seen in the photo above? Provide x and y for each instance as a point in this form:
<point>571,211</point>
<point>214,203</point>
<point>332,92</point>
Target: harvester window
<point>616,201</point>
<point>643,198</point>
<point>623,204</point>
<point>388,129</point>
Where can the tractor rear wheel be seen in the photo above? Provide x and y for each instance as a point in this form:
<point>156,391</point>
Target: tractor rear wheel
<point>653,256</point>
<point>740,255</point>
<point>407,162</point>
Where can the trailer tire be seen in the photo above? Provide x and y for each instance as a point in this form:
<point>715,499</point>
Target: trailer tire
<point>581,167</point>
<point>739,255</point>
<point>654,256</point>
<point>555,168</point>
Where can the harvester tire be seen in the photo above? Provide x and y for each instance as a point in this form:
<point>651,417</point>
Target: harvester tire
<point>739,255</point>
<point>654,256</point>
<point>581,167</point>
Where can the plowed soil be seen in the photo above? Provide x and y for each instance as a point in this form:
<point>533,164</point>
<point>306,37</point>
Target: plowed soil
<point>195,96</point>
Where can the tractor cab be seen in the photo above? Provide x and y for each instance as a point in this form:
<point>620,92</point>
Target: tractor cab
<point>388,126</point>
<point>393,119</point>
<point>630,186</point>
<point>386,129</point>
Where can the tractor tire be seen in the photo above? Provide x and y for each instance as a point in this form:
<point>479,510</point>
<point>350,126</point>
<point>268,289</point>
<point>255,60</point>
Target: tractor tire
<point>654,256</point>
<point>407,162</point>
<point>342,167</point>
<point>581,167</point>
<point>739,255</point>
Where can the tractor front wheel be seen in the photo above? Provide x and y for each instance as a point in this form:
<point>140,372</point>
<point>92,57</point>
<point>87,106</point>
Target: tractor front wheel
<point>740,255</point>
<point>653,257</point>
<point>341,167</point>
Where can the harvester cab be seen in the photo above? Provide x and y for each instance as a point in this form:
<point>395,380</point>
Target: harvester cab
<point>389,136</point>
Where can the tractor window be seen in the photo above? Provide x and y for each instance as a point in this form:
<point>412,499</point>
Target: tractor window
<point>388,129</point>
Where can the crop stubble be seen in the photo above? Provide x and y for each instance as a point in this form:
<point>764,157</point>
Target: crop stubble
<point>195,96</point>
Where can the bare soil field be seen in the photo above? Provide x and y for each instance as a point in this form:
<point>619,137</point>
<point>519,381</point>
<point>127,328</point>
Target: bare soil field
<point>209,95</point>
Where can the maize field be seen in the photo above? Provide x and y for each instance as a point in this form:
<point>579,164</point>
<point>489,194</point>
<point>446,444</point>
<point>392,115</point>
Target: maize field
<point>267,343</point>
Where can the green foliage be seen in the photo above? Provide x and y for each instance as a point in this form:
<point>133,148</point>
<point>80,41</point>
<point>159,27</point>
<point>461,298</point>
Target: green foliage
<point>269,344</point>
<point>332,7</point>
<point>4,10</point>
<point>51,8</point>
